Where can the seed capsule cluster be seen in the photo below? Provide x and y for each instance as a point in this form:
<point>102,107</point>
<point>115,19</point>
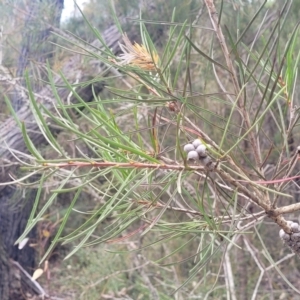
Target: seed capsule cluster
<point>292,240</point>
<point>196,151</point>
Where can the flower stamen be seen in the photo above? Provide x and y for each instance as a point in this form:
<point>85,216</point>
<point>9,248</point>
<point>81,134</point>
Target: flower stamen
<point>137,55</point>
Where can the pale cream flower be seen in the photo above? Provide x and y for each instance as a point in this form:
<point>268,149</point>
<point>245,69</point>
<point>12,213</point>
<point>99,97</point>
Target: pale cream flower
<point>137,55</point>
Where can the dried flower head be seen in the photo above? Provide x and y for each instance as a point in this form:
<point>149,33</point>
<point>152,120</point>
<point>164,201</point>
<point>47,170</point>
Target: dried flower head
<point>137,55</point>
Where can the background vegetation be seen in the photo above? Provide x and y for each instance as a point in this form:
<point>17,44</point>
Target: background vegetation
<point>120,211</point>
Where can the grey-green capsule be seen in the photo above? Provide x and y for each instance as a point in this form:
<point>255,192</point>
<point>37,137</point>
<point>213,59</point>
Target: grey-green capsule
<point>201,150</point>
<point>295,237</point>
<point>196,143</point>
<point>188,148</point>
<point>283,235</point>
<point>193,155</point>
<point>295,227</point>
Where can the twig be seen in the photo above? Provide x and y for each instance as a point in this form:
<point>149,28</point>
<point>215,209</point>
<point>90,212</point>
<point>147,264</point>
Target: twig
<point>132,164</point>
<point>254,196</point>
<point>224,219</point>
<point>286,209</point>
<point>215,23</point>
<point>258,199</point>
<point>261,268</point>
<point>291,166</point>
<point>229,279</point>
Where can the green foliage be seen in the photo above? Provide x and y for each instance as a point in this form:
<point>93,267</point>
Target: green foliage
<point>237,95</point>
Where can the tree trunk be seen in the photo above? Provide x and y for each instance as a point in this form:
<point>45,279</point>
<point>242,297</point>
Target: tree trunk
<point>35,35</point>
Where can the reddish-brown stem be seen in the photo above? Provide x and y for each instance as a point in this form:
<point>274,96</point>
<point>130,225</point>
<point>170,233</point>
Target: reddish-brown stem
<point>132,164</point>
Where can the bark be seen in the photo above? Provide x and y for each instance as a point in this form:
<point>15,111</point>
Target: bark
<point>35,35</point>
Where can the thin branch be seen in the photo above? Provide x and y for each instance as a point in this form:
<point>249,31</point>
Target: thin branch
<point>261,268</point>
<point>224,219</point>
<point>254,196</point>
<point>286,209</point>
<point>229,279</point>
<point>218,30</point>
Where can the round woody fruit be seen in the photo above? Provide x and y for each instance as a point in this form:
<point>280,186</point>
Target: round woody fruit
<point>193,155</point>
<point>188,148</point>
